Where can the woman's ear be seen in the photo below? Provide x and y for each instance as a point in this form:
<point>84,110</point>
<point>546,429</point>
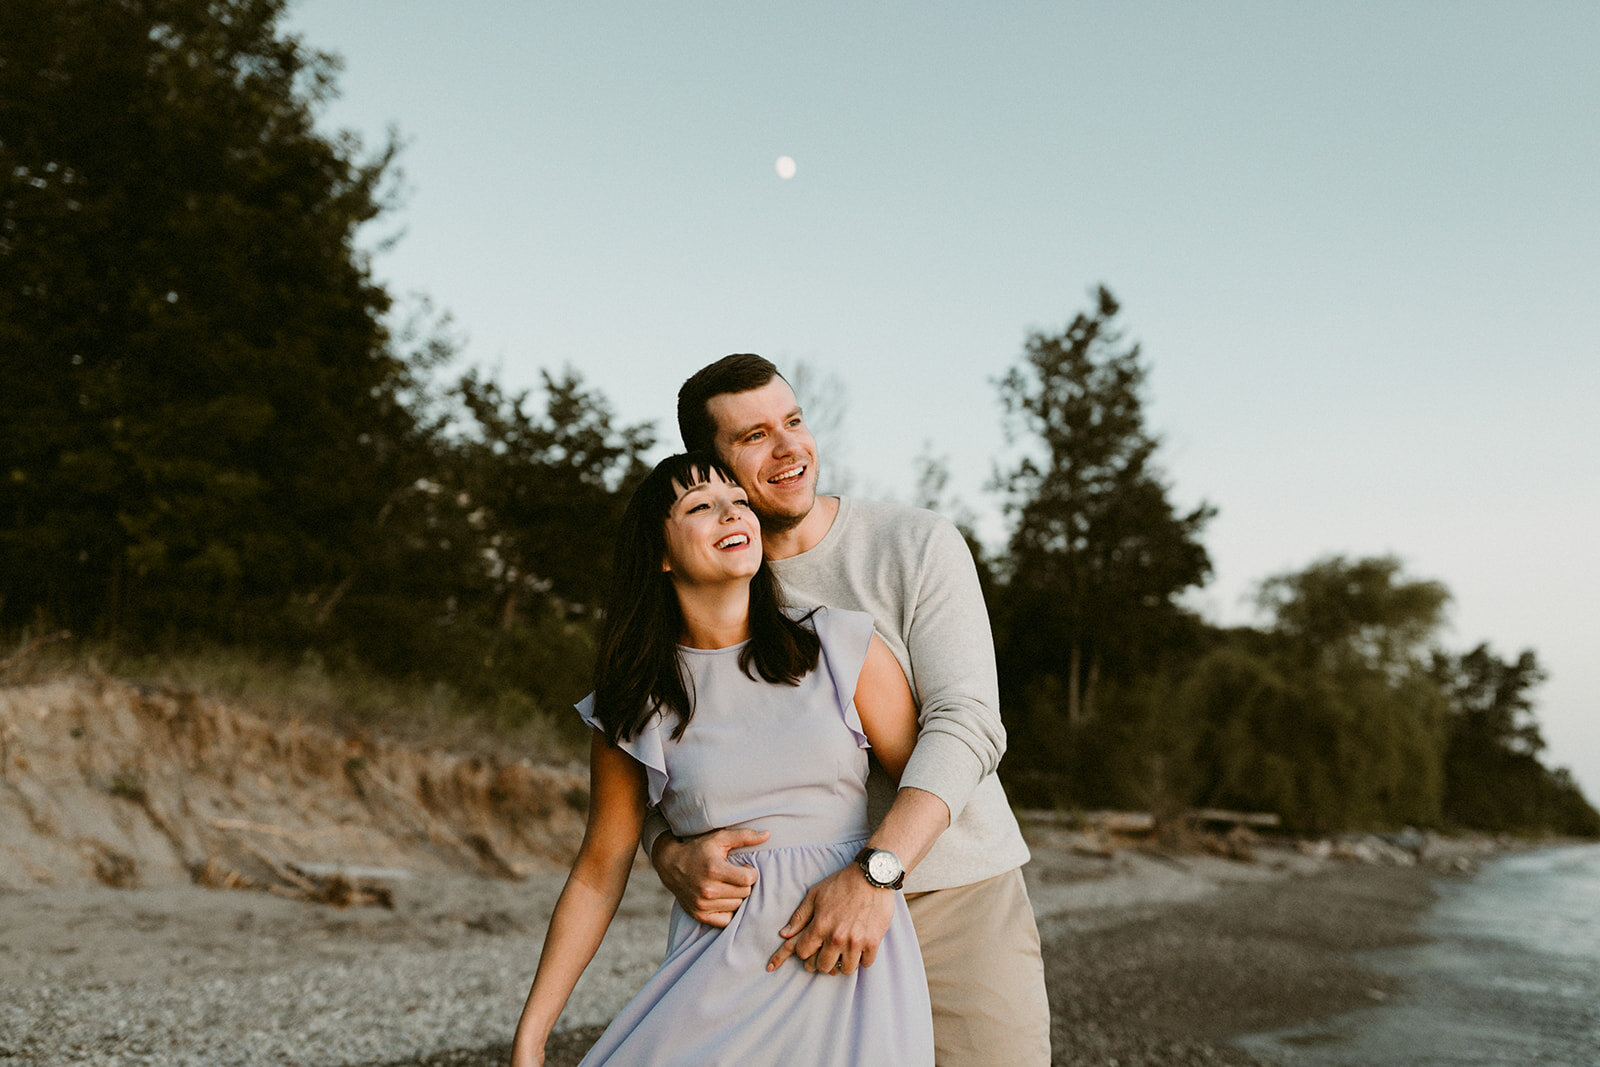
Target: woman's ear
<point>666,565</point>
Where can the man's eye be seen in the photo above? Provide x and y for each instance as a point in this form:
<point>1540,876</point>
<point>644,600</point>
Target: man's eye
<point>755,436</point>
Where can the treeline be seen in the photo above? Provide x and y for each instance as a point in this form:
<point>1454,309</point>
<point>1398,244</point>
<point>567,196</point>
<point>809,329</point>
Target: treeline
<point>207,428</point>
<point>1340,711</point>
<point>210,432</point>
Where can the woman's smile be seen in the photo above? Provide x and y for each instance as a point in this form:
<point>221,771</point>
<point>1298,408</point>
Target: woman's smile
<point>711,533</point>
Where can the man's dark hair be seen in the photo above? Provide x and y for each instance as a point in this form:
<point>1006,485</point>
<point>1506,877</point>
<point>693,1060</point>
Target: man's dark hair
<point>738,373</point>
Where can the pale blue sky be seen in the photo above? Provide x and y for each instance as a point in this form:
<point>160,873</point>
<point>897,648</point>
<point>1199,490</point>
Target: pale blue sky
<point>1360,245</point>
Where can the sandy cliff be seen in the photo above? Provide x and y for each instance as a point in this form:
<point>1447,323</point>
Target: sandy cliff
<point>103,781</point>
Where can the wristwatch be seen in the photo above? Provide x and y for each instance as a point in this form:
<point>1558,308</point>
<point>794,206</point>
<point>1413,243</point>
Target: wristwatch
<point>882,867</point>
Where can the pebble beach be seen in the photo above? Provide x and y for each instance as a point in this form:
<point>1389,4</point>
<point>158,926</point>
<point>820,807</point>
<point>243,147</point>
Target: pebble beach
<point>1151,959</point>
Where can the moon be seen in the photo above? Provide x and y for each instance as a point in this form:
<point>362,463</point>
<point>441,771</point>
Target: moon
<point>785,167</point>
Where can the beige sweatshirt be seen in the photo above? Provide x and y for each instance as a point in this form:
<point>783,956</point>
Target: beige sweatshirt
<point>912,572</point>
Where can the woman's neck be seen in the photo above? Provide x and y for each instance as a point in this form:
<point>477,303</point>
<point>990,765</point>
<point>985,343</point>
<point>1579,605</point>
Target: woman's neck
<point>714,617</point>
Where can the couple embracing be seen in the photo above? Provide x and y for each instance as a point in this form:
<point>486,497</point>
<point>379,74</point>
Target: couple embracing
<point>759,643</point>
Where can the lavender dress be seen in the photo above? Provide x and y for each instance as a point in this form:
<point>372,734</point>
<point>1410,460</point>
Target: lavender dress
<point>790,760</point>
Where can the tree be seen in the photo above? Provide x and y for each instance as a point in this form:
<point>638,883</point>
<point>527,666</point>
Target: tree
<point>1361,726</point>
<point>1359,613</point>
<point>203,414</point>
<point>1493,777</point>
<point>1098,552</point>
<point>547,491</point>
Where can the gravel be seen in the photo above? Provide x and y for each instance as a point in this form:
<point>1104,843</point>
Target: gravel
<point>183,976</point>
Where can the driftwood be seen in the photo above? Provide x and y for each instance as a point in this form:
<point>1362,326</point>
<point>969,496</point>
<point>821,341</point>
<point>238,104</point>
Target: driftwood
<point>1217,831</point>
<point>1157,854</point>
<point>332,884</point>
<point>1139,823</point>
<point>1258,820</point>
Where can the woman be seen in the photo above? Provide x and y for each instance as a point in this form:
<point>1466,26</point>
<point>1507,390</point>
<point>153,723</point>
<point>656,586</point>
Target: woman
<point>713,703</point>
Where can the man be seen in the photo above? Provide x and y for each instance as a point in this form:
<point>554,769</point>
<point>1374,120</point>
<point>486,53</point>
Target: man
<point>948,830</point>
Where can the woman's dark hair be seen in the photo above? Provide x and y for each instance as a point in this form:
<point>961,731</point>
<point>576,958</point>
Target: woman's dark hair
<point>636,670</point>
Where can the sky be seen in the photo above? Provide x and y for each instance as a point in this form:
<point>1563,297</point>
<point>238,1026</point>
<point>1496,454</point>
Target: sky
<point>1358,244</point>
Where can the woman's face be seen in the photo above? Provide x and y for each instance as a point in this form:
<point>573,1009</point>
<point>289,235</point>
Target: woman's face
<point>712,535</point>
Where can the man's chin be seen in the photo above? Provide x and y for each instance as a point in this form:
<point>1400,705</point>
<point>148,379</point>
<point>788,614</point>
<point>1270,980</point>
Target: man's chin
<point>784,520</point>
<point>779,523</point>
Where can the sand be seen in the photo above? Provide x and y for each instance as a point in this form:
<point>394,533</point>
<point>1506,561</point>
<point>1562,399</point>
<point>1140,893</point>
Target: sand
<point>1150,960</point>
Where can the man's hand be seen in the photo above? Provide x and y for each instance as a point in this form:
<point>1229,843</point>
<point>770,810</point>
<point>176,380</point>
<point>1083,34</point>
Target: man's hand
<point>696,870</point>
<point>839,924</point>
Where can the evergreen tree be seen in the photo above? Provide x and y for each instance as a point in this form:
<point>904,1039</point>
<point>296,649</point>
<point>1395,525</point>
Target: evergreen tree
<point>1098,552</point>
<point>1493,777</point>
<point>203,416</point>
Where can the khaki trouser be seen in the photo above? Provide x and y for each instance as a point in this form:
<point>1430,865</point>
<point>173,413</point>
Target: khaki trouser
<point>980,948</point>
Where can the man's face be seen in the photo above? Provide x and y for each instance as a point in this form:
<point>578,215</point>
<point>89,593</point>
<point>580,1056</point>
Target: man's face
<point>763,439</point>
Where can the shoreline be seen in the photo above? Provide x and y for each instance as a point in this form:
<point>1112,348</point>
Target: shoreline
<point>1150,959</point>
<point>1172,984</point>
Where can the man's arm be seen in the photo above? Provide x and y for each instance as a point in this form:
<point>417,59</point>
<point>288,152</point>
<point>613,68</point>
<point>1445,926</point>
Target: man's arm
<point>951,648</point>
<point>696,870</point>
<point>960,740</point>
<point>843,918</point>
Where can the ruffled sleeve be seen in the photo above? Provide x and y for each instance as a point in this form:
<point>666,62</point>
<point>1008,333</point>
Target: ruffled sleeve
<point>645,746</point>
<point>845,637</point>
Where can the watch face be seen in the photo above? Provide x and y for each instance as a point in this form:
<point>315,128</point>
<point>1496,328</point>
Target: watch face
<point>883,867</point>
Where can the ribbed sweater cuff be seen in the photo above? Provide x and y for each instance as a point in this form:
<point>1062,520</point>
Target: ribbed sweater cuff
<point>944,766</point>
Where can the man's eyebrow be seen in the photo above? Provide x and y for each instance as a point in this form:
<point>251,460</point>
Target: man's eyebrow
<point>744,431</point>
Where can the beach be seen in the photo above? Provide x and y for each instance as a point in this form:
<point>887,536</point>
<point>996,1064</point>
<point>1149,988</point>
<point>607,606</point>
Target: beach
<point>124,803</point>
<point>1151,959</point>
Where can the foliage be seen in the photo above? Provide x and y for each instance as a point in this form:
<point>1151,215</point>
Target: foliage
<point>1494,780</point>
<point>543,485</point>
<point>1333,720</point>
<point>1098,553</point>
<point>202,410</point>
<point>208,426</point>
<point>1355,615</point>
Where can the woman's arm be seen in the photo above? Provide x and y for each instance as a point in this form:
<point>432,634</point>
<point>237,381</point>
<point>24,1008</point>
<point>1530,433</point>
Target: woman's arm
<point>888,713</point>
<point>617,799</point>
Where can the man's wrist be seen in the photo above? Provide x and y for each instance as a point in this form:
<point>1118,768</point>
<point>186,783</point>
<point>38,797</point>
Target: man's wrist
<point>666,837</point>
<point>881,868</point>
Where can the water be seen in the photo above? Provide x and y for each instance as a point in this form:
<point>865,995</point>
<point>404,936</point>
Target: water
<point>1511,976</point>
